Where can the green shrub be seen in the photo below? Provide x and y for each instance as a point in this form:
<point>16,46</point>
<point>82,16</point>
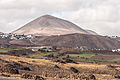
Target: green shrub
<point>61,54</point>
<point>50,55</point>
<point>67,56</point>
<point>54,47</point>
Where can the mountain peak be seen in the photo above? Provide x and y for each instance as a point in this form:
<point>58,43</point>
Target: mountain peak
<point>47,16</point>
<point>50,25</point>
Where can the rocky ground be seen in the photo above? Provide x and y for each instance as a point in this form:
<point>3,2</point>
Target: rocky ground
<point>41,69</point>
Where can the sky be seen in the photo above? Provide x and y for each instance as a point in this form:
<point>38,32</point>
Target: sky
<point>101,16</point>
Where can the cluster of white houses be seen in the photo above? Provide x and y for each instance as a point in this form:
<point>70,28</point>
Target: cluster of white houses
<point>16,36</point>
<point>116,50</point>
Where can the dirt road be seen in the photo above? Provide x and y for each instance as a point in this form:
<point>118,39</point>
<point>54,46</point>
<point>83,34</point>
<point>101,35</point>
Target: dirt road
<point>11,78</point>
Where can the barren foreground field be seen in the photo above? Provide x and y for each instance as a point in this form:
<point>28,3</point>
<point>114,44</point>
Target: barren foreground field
<point>41,69</point>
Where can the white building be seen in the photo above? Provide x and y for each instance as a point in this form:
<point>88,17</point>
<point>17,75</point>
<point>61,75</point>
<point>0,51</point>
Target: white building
<point>117,50</point>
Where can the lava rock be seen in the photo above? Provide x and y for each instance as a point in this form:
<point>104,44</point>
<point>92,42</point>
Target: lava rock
<point>9,68</point>
<point>56,66</point>
<point>117,76</point>
<point>30,76</point>
<point>74,69</point>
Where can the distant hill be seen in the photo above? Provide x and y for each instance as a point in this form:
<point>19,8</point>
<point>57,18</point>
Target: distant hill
<point>75,40</point>
<point>50,25</point>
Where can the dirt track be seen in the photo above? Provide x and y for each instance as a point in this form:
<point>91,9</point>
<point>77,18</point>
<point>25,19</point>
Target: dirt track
<point>11,78</point>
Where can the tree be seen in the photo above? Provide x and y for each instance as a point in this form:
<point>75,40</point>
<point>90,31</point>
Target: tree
<point>54,47</point>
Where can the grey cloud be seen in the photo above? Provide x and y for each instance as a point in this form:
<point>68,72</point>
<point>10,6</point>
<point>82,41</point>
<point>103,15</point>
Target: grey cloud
<point>89,14</point>
<point>104,18</point>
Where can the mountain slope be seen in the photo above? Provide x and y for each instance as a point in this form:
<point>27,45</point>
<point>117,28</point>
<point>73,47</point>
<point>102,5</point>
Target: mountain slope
<point>76,40</point>
<point>50,25</point>
<point>91,32</point>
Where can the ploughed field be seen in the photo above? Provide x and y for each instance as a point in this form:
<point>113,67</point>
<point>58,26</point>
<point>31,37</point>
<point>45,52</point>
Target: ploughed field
<point>59,65</point>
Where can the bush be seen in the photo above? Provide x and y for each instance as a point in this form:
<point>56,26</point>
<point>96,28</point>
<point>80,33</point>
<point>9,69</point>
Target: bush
<point>67,56</point>
<point>50,55</point>
<point>41,50</point>
<point>54,47</point>
<point>61,54</point>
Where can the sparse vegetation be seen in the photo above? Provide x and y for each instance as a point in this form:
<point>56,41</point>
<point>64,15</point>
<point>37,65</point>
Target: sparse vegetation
<point>3,50</point>
<point>36,56</point>
<point>90,60</point>
<point>115,60</point>
<point>49,55</point>
<point>76,55</point>
<point>54,47</point>
<point>82,55</point>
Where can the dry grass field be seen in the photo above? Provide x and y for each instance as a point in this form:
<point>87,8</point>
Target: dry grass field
<point>50,70</point>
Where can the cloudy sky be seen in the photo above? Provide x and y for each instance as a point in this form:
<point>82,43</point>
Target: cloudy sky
<point>102,16</point>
